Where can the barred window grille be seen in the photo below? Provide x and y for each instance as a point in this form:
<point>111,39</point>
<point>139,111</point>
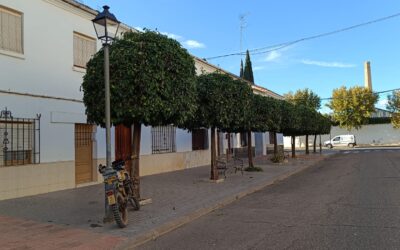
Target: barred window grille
<point>84,49</point>
<point>163,139</point>
<point>11,38</point>
<point>19,140</point>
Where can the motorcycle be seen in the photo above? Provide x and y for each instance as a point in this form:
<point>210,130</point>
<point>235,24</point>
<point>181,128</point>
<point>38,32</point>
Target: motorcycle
<point>119,191</point>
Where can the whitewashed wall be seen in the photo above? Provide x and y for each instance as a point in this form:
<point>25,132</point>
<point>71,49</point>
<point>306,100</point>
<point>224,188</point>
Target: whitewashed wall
<point>47,64</point>
<point>57,124</point>
<point>378,134</point>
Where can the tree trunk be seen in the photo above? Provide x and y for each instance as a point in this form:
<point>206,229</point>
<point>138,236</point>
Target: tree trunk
<point>315,144</point>
<point>218,144</point>
<point>320,145</point>
<point>214,170</point>
<point>249,149</point>
<point>228,154</point>
<point>275,144</point>
<point>135,175</point>
<point>307,150</point>
<point>293,146</point>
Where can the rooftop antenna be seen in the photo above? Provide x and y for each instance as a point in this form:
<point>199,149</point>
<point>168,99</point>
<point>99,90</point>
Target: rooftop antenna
<point>243,25</point>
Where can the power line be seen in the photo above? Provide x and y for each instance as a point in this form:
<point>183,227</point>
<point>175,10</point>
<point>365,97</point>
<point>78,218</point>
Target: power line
<point>377,93</point>
<point>279,46</point>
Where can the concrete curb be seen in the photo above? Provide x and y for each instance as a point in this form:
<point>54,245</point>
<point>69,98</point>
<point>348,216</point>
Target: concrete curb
<point>174,224</point>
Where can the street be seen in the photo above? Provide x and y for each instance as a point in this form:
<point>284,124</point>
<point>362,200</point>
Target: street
<point>349,201</point>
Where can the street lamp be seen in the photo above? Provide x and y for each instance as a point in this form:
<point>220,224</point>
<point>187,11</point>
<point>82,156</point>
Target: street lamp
<point>106,26</point>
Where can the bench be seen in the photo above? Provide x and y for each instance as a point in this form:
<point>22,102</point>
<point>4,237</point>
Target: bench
<point>234,162</point>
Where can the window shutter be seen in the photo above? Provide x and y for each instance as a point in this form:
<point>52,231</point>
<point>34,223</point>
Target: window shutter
<point>84,49</point>
<point>11,30</point>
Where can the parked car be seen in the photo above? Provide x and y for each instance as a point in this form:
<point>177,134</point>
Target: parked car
<point>341,140</point>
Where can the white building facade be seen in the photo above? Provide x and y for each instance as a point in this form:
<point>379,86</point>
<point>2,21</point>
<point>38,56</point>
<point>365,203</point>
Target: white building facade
<point>46,144</point>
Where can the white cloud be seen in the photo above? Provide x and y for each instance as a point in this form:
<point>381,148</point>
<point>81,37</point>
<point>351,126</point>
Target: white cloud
<point>273,56</point>
<point>328,64</point>
<point>139,28</point>
<point>173,36</point>
<point>382,103</point>
<point>192,44</point>
<point>257,68</point>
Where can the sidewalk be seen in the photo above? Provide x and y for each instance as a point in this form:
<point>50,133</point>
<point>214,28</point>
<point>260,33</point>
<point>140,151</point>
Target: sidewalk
<point>73,218</point>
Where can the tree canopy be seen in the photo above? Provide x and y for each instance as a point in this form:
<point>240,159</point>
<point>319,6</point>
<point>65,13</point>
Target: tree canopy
<point>152,81</point>
<point>222,102</point>
<point>304,97</point>
<point>352,107</point>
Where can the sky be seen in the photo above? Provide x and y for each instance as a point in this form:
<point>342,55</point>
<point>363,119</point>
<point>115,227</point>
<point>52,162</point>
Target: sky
<point>212,28</point>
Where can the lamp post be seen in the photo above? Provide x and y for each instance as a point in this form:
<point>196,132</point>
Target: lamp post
<point>106,26</point>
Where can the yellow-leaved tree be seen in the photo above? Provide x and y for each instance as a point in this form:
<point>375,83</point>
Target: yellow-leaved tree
<point>352,107</point>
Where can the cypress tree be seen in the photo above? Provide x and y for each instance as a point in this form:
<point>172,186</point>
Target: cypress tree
<point>248,69</point>
<point>241,68</point>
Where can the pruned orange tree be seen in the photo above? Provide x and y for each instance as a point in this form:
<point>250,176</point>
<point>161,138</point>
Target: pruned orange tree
<point>152,83</point>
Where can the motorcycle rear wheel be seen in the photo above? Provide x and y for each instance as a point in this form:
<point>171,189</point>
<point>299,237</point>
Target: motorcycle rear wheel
<point>120,211</point>
<point>132,199</point>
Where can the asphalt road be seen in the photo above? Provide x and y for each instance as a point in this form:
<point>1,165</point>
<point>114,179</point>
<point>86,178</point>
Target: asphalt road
<point>350,201</point>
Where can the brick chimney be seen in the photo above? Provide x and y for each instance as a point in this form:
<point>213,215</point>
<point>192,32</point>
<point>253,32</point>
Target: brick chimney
<point>367,75</point>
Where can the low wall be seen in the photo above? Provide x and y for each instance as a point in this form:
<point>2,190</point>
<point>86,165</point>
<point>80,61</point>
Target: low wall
<point>161,163</point>
<point>20,181</point>
<point>242,152</point>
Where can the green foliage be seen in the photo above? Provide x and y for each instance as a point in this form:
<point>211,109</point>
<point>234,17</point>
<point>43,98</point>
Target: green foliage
<point>253,169</point>
<point>323,125</point>
<point>394,106</point>
<point>352,107</point>
<point>300,120</point>
<point>379,120</point>
<point>152,81</point>
<point>305,97</point>
<point>222,102</point>
<point>248,69</point>
<point>262,115</point>
<point>278,158</point>
<point>291,120</point>
<point>241,69</point>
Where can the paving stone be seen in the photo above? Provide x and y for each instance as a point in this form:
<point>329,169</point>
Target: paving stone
<point>64,219</point>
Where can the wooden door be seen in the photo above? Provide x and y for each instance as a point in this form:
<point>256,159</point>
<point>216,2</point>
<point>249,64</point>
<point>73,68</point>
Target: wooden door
<point>83,153</point>
<point>123,145</point>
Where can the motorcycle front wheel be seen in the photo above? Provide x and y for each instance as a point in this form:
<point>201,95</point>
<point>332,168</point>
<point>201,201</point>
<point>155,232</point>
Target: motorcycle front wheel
<point>120,211</point>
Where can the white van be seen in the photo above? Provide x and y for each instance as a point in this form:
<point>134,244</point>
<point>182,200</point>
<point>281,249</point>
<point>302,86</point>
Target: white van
<point>341,140</point>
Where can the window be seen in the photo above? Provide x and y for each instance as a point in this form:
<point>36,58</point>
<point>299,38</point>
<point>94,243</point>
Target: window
<point>163,139</point>
<point>336,139</point>
<point>84,49</point>
<point>19,140</point>
<point>199,139</point>
<point>11,30</point>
